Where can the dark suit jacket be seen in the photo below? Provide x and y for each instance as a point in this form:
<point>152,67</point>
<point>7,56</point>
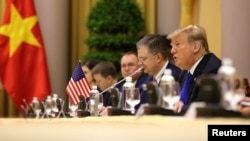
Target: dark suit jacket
<point>106,99</point>
<point>176,71</point>
<point>208,65</point>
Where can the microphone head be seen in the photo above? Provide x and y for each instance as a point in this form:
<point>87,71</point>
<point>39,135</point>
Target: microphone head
<point>152,93</point>
<point>141,69</point>
<point>210,89</point>
<point>24,111</point>
<point>59,104</point>
<point>82,103</point>
<point>42,107</point>
<point>114,95</point>
<point>25,102</point>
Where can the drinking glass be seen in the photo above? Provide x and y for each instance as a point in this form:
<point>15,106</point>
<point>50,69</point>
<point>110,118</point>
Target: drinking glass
<point>171,95</point>
<point>73,107</point>
<point>55,109</point>
<point>37,107</point>
<point>132,98</point>
<point>100,103</point>
<point>48,106</point>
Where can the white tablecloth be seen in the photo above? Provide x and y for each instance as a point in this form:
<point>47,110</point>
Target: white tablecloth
<point>120,128</point>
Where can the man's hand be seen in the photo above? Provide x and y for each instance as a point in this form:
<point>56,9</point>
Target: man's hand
<point>244,108</point>
<point>178,106</point>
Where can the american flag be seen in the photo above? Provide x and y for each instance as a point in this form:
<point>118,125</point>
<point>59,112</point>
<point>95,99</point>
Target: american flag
<point>78,85</point>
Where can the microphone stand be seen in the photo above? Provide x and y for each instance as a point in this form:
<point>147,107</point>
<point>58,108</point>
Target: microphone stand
<point>140,69</point>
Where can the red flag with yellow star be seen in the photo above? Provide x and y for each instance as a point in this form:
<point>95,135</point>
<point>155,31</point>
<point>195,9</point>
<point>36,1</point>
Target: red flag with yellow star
<point>23,66</point>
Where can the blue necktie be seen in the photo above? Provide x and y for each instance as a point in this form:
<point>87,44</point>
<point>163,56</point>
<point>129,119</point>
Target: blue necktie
<point>184,90</point>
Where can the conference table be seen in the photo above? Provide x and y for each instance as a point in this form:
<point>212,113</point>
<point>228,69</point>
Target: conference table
<point>111,128</point>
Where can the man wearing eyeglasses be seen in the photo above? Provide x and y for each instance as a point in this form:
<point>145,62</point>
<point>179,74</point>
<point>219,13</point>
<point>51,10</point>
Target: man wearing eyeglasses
<point>153,52</point>
<point>129,64</point>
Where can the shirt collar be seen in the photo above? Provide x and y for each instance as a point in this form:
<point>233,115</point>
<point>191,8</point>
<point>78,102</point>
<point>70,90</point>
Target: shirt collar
<point>161,72</point>
<point>194,66</point>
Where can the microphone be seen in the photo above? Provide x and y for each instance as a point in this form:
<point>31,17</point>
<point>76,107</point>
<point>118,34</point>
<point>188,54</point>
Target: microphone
<point>114,95</point>
<point>83,109</point>
<point>152,92</point>
<point>24,110</point>
<point>138,70</point>
<point>28,107</point>
<point>59,105</point>
<point>82,103</point>
<point>25,102</point>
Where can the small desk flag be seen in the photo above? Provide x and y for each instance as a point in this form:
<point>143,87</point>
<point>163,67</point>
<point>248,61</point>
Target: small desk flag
<point>78,85</point>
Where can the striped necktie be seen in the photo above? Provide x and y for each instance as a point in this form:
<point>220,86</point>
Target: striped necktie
<point>184,90</point>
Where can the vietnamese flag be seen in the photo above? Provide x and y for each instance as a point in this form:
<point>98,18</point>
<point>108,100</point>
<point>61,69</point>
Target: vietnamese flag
<point>23,66</point>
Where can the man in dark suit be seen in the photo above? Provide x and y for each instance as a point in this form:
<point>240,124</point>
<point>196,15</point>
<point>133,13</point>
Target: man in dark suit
<point>129,64</point>
<point>153,53</point>
<point>191,53</point>
<point>104,74</point>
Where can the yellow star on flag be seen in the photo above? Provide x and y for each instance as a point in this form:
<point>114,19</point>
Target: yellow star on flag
<point>19,30</point>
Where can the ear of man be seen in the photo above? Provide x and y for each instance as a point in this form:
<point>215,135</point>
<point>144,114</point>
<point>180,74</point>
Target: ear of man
<point>197,46</point>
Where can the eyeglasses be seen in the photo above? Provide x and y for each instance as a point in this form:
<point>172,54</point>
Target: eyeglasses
<point>130,65</point>
<point>143,59</point>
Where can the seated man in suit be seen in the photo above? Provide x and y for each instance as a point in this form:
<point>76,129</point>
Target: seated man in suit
<point>191,53</point>
<point>104,74</point>
<point>129,64</point>
<point>153,52</point>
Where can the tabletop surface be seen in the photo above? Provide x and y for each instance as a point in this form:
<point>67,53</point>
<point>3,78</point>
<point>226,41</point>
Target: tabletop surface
<point>146,128</point>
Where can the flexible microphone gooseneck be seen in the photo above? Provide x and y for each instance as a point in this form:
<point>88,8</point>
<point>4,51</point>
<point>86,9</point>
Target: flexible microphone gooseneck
<point>138,70</point>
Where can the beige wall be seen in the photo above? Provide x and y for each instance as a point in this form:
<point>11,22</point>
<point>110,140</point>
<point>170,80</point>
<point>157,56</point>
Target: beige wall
<point>236,34</point>
<point>227,24</point>
<point>168,15</point>
<point>53,17</point>
<point>210,18</point>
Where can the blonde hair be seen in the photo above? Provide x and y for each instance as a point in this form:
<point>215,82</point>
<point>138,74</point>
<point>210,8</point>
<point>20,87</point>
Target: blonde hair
<point>195,33</point>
